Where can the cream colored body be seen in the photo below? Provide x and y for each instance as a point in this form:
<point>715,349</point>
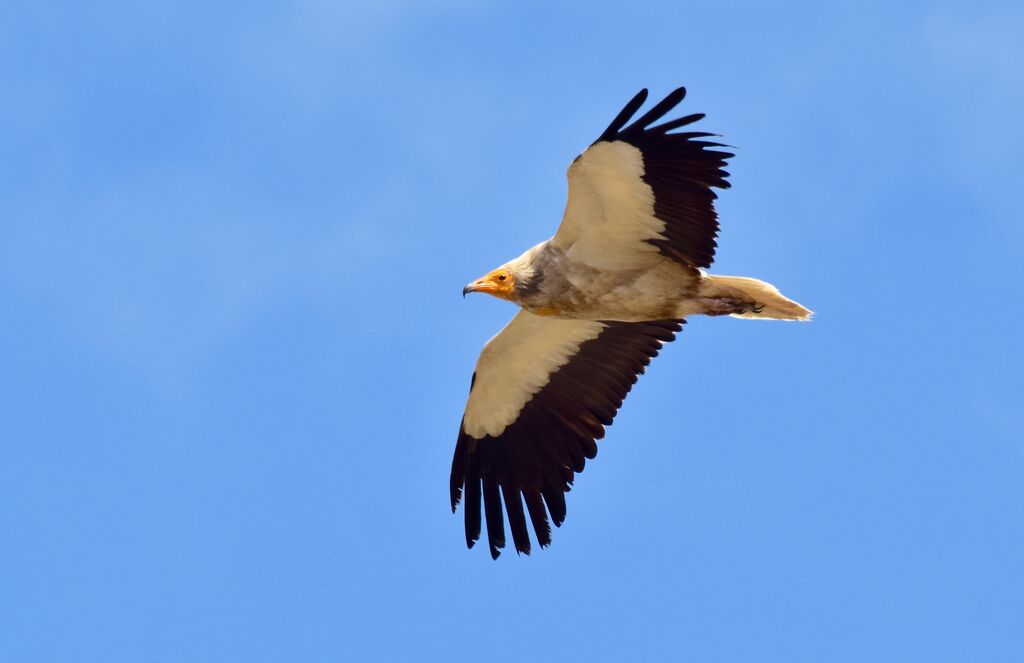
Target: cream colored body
<point>658,288</point>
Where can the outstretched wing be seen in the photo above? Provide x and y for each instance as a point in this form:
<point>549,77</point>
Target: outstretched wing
<point>542,393</point>
<point>641,191</point>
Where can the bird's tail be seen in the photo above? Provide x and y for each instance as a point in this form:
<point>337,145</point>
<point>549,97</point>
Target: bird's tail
<point>760,300</point>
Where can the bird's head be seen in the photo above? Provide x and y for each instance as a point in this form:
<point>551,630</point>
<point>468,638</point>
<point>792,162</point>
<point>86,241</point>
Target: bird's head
<point>500,283</point>
<point>513,281</point>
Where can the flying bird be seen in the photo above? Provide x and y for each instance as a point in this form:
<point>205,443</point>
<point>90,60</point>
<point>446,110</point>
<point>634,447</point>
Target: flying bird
<point>598,300</point>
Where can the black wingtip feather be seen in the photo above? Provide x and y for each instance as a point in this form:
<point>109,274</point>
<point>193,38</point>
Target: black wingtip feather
<point>495,517</point>
<point>680,122</point>
<point>538,516</point>
<point>472,506</point>
<point>516,520</point>
<point>627,112</point>
<point>554,498</point>
<point>458,475</point>
<point>660,109</point>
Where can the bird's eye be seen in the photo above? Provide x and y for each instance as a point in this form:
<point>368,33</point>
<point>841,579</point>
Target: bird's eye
<point>502,276</point>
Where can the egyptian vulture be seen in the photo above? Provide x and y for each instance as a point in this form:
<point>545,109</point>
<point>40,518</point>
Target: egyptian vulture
<point>597,300</point>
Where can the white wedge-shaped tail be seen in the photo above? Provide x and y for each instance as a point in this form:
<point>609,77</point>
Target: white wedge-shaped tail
<point>768,302</point>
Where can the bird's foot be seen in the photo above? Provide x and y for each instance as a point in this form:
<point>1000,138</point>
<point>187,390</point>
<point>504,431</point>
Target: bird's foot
<point>728,306</point>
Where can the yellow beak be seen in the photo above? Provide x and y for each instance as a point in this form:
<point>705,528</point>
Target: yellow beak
<point>481,285</point>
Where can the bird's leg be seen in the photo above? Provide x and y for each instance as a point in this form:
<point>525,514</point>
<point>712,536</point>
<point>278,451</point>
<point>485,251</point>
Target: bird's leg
<point>728,306</point>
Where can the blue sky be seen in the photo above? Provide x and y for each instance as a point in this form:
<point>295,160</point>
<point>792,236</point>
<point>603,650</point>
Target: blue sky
<point>235,354</point>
